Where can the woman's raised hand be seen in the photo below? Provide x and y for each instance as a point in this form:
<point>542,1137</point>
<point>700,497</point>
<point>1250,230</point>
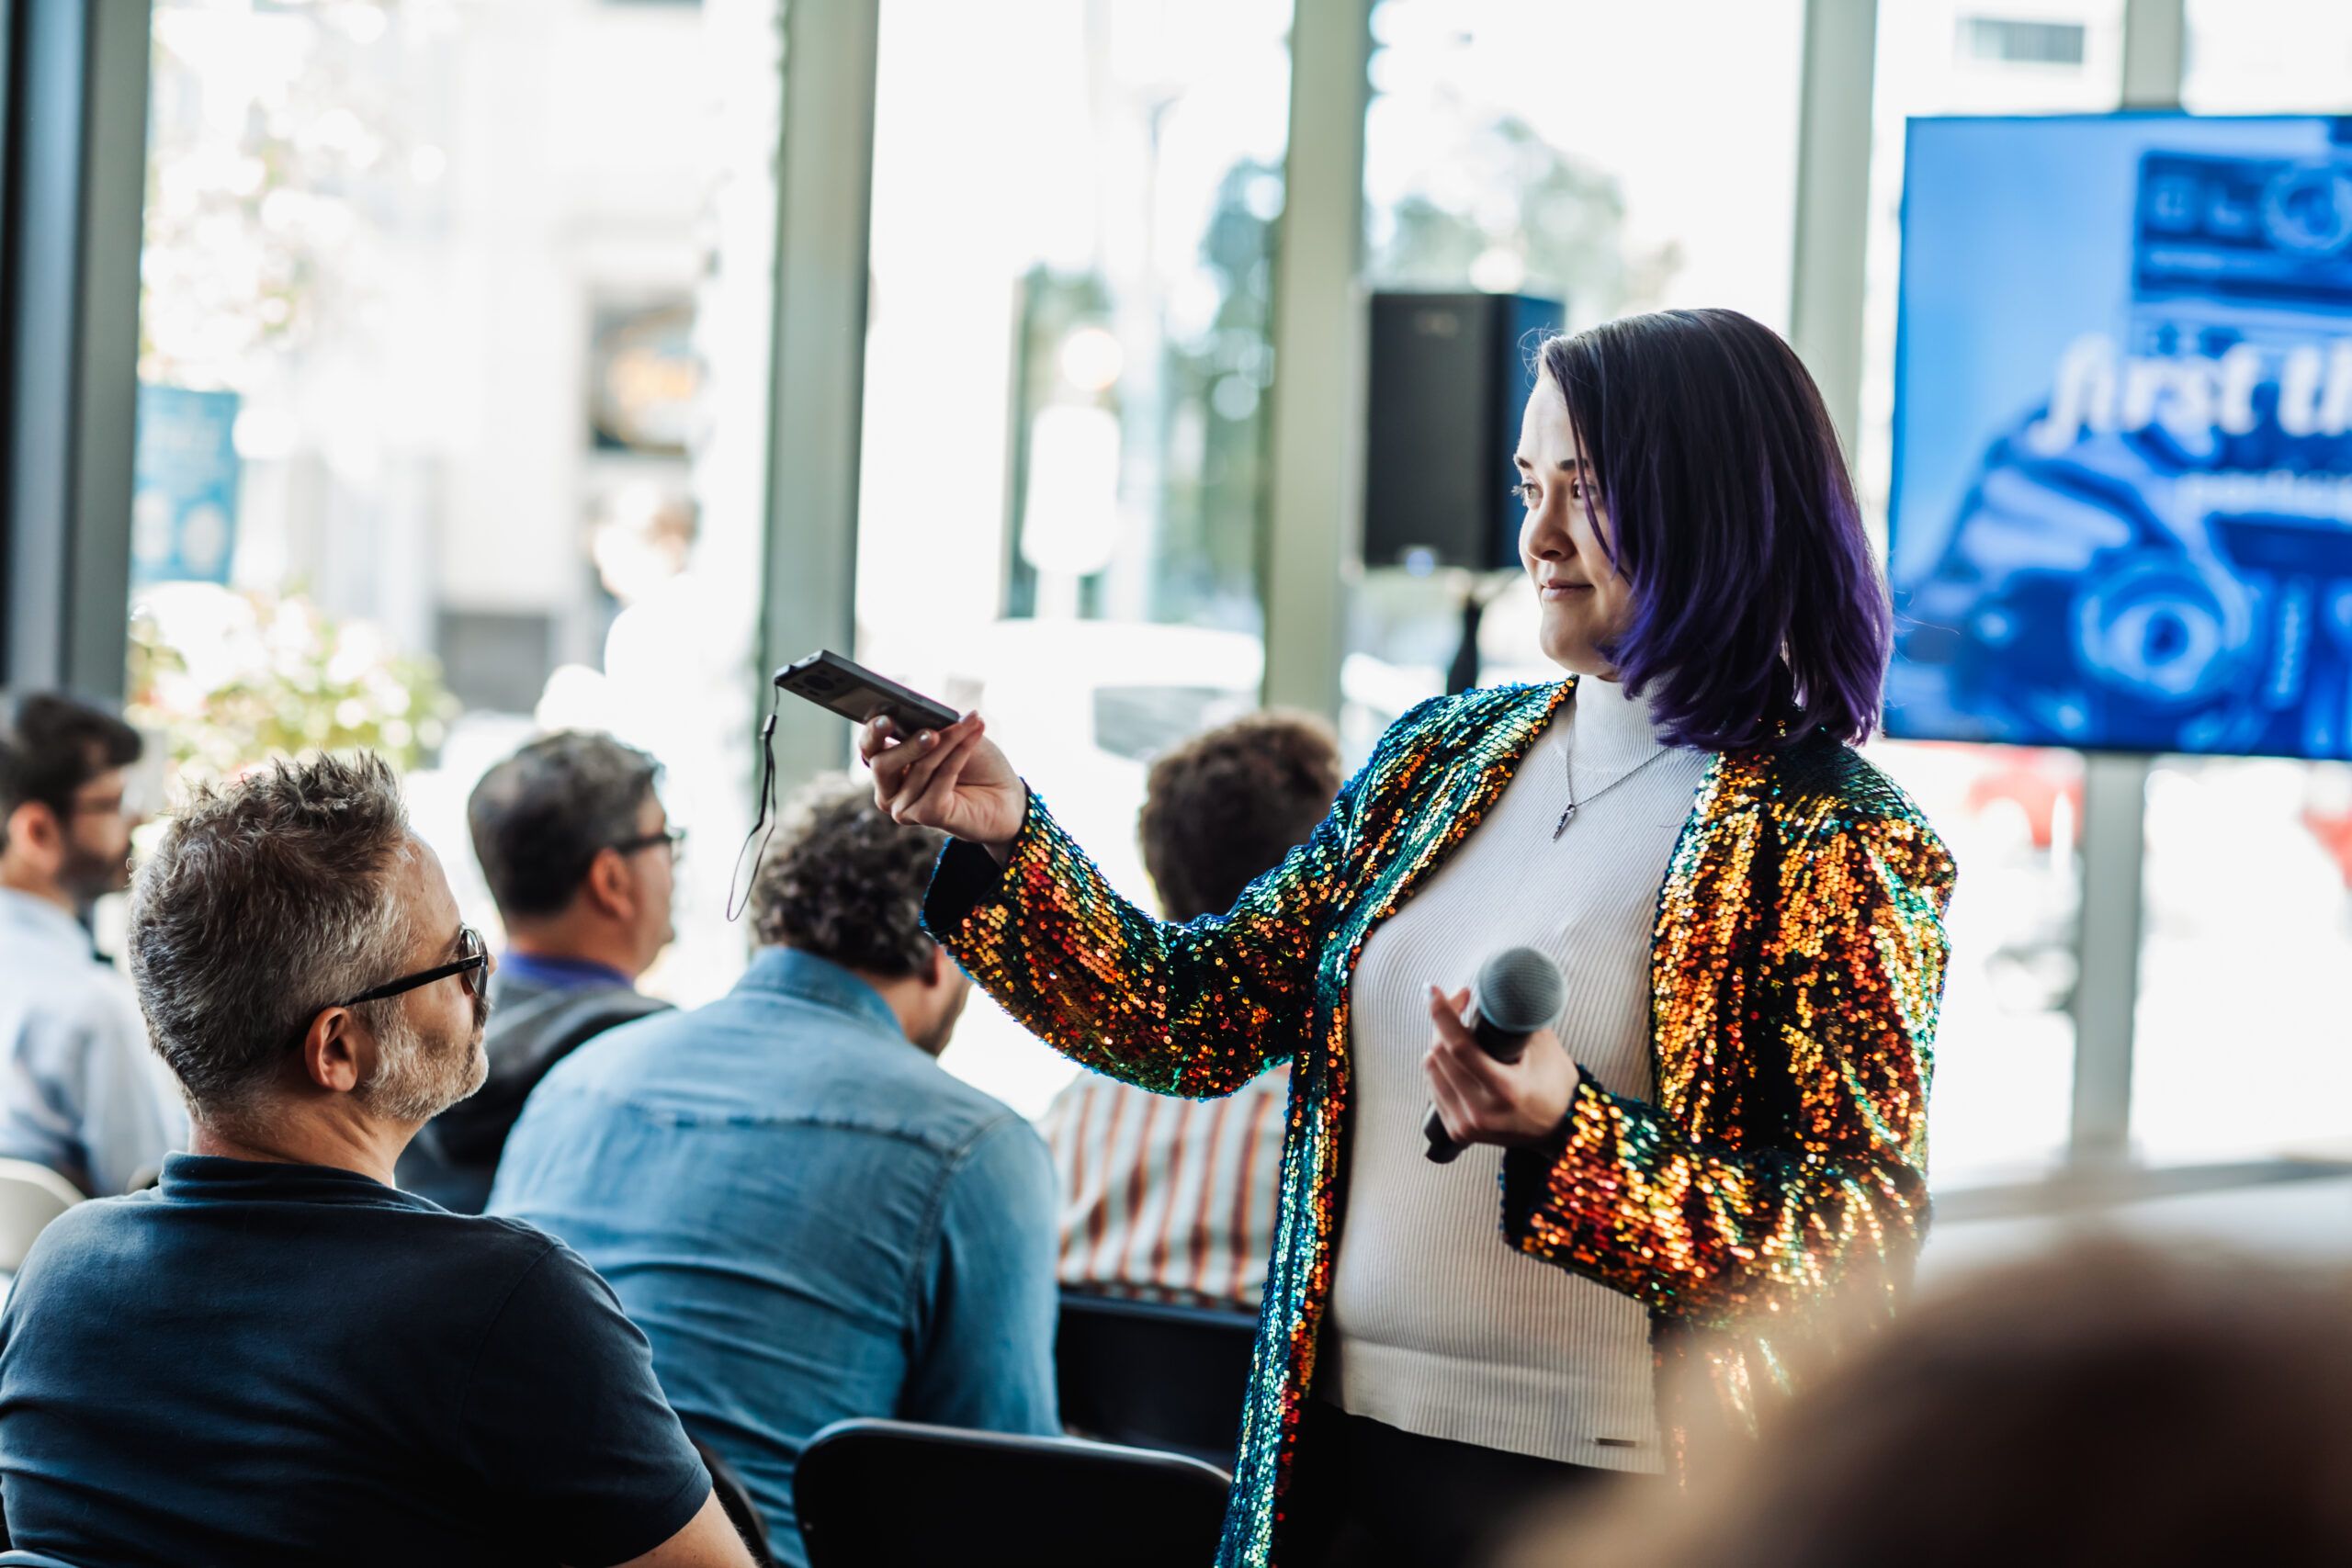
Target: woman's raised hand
<point>953,779</point>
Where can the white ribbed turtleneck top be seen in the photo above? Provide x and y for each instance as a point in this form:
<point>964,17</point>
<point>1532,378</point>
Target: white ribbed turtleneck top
<point>1437,1326</point>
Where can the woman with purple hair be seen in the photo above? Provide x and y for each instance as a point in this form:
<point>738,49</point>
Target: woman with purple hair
<point>1719,1147</point>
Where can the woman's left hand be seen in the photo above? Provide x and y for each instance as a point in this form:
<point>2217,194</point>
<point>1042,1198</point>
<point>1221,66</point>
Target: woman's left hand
<point>1482,1100</point>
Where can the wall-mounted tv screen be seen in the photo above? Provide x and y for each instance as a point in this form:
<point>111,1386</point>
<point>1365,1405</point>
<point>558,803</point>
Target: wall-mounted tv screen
<point>2121,505</point>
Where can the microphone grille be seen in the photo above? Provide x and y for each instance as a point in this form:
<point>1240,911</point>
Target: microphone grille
<point>1520,990</point>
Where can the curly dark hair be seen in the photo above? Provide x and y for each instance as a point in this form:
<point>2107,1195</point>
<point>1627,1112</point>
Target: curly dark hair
<point>845,883</point>
<point>1223,808</point>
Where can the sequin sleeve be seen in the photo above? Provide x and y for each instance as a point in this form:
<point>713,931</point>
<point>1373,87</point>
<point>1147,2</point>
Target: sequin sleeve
<point>1710,1230</point>
<point>1195,1009</point>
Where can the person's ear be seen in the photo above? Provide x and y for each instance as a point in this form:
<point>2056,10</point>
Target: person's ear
<point>337,1051</point>
<point>942,970</point>
<point>611,890</point>
<point>35,833</point>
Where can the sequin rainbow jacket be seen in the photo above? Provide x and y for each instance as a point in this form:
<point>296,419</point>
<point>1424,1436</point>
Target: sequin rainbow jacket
<point>1797,963</point>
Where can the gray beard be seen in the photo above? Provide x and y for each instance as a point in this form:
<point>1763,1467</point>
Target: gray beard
<point>416,1081</point>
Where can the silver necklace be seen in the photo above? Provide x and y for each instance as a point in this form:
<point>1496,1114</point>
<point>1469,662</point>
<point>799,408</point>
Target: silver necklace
<point>1569,815</point>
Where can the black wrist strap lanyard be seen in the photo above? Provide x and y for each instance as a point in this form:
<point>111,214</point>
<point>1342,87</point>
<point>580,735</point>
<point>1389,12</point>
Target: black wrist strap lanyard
<point>766,818</point>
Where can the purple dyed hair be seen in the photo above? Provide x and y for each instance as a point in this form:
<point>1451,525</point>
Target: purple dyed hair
<point>1755,593</point>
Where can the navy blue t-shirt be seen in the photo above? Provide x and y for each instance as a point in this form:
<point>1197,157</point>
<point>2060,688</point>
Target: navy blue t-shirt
<point>260,1364</point>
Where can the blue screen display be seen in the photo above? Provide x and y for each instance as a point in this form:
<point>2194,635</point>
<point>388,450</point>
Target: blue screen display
<point>2121,509</point>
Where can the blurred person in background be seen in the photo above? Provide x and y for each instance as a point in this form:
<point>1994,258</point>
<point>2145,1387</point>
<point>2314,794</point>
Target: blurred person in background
<point>276,1356</point>
<point>80,1091</point>
<point>810,1218</point>
<point>580,857</point>
<point>2110,1405</point>
<point>1219,811</point>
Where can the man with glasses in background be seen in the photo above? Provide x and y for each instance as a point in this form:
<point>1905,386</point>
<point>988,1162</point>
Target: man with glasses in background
<point>578,853</point>
<point>276,1356</point>
<point>80,1092</point>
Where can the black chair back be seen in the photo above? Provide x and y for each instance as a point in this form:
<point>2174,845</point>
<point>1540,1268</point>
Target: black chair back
<point>896,1494</point>
<point>1156,1377</point>
<point>735,1502</point>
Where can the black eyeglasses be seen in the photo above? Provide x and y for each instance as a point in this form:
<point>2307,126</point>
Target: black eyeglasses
<point>673,836</point>
<point>474,957</point>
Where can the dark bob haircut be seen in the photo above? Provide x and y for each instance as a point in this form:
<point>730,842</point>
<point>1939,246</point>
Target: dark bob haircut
<point>1756,597</point>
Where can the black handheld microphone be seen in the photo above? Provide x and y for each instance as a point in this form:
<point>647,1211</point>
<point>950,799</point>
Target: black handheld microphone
<point>1518,991</point>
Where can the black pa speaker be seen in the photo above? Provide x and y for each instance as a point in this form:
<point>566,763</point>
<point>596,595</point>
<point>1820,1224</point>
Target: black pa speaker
<point>1450,374</point>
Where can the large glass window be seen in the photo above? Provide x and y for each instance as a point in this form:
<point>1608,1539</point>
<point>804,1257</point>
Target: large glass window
<point>2267,56</point>
<point>2244,1044</point>
<point>2249,862</point>
<point>1063,481</point>
<point>1582,152</point>
<point>2004,1064</point>
<point>2005,1055</point>
<point>452,400</point>
<point>1578,152</point>
<point>1509,149</point>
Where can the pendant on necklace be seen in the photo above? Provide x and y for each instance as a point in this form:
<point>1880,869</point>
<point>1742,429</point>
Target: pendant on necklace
<point>1565,818</point>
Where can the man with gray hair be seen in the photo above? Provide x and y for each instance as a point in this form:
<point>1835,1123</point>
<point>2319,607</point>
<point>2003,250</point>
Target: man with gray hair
<point>276,1356</point>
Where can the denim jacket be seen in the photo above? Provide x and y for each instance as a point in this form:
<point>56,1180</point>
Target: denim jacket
<point>806,1215</point>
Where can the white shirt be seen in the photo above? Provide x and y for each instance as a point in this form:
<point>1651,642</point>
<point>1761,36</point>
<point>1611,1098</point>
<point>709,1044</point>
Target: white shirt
<point>1440,1327</point>
<point>80,1090</point>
